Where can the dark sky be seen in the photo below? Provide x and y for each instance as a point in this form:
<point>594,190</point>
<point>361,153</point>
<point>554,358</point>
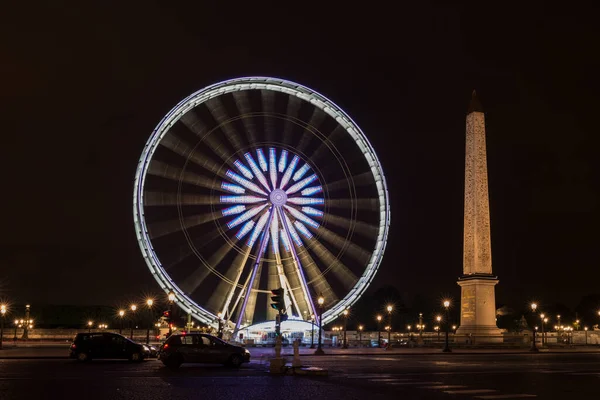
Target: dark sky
<point>82,89</point>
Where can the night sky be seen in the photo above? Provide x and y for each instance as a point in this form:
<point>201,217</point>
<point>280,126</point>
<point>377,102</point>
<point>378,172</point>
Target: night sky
<point>83,88</point>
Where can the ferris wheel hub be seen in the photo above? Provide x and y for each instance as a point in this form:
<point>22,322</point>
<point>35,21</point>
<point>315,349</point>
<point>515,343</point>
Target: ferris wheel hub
<point>278,197</point>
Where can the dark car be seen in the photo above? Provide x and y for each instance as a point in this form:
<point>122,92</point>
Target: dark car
<point>201,348</point>
<point>87,346</point>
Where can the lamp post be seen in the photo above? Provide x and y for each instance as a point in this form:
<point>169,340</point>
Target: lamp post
<point>544,320</point>
<point>447,307</point>
<point>389,309</point>
<point>26,325</point>
<point>360,329</point>
<point>346,313</point>
<point>437,329</point>
<point>15,336</point>
<point>438,318</point>
<point>379,331</point>
<point>121,314</point>
<point>3,312</point>
<point>421,326</point>
<point>90,324</point>
<point>533,343</point>
<point>585,328</point>
<point>220,325</point>
<point>320,301</point>
<point>133,308</point>
<point>149,303</point>
<point>171,301</point>
<point>312,331</point>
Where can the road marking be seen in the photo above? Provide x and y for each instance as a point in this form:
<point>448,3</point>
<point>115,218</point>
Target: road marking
<point>443,387</point>
<point>505,396</point>
<point>585,373</point>
<point>470,391</point>
<point>389,380</point>
<point>415,383</point>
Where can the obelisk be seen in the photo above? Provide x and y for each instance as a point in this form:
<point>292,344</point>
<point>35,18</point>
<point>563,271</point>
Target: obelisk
<point>478,301</point>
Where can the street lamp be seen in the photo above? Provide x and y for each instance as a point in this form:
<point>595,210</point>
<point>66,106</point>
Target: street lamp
<point>220,325</point>
<point>26,325</point>
<point>121,314</point>
<point>320,302</point>
<point>3,312</point>
<point>439,320</point>
<point>585,328</point>
<point>389,309</point>
<point>171,301</point>
<point>544,320</point>
<point>133,308</point>
<point>149,303</point>
<point>379,331</point>
<point>447,307</point>
<point>90,324</point>
<point>360,329</point>
<point>312,331</point>
<point>533,343</point>
<point>16,326</point>
<point>346,312</point>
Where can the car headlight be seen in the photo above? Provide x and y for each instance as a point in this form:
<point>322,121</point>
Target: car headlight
<point>146,348</point>
<point>246,351</point>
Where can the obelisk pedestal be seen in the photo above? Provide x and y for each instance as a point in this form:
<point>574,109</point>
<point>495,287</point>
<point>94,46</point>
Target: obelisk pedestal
<point>478,301</point>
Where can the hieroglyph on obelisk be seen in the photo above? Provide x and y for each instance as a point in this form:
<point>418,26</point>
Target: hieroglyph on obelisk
<point>478,300</point>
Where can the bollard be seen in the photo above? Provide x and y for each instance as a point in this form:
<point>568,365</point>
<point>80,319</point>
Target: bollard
<point>296,361</point>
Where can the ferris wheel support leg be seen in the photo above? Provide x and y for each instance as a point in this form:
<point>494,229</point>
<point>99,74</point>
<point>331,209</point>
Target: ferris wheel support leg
<point>261,251</point>
<point>298,266</point>
<point>233,287</point>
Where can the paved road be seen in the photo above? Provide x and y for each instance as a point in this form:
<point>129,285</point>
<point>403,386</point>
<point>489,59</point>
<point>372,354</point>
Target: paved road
<point>372,377</point>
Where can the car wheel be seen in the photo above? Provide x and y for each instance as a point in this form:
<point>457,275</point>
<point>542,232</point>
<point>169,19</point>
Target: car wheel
<point>235,361</point>
<point>83,357</point>
<point>136,357</point>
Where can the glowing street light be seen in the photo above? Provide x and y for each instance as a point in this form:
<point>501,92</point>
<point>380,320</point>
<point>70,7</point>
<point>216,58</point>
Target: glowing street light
<point>133,308</point>
<point>90,324</point>
<point>533,343</point>
<point>320,302</point>
<point>121,314</point>
<point>447,307</point>
<point>389,309</point>
<point>346,313</point>
<point>3,313</point>
<point>379,331</point>
<point>360,329</point>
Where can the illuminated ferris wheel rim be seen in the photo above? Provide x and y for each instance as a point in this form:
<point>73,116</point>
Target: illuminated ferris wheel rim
<point>276,85</point>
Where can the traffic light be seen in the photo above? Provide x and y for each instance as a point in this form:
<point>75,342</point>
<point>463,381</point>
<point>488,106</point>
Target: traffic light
<point>167,315</point>
<point>278,300</point>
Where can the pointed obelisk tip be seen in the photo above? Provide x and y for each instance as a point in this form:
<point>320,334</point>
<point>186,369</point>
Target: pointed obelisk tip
<point>474,105</point>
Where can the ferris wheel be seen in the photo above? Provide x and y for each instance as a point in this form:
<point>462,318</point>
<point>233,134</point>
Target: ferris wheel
<point>257,183</point>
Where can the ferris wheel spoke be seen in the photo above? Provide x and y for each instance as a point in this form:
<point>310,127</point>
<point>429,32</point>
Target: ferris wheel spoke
<point>362,179</point>
<point>315,278</point>
<point>181,148</point>
<point>268,107</point>
<point>293,108</point>
<point>164,170</point>
<point>219,113</point>
<point>343,273</point>
<point>162,228</point>
<point>315,122</point>
<point>361,228</point>
<point>362,203</point>
<point>328,143</point>
<point>221,297</point>
<point>342,243</point>
<point>243,105</point>
<point>195,125</point>
<point>152,198</point>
